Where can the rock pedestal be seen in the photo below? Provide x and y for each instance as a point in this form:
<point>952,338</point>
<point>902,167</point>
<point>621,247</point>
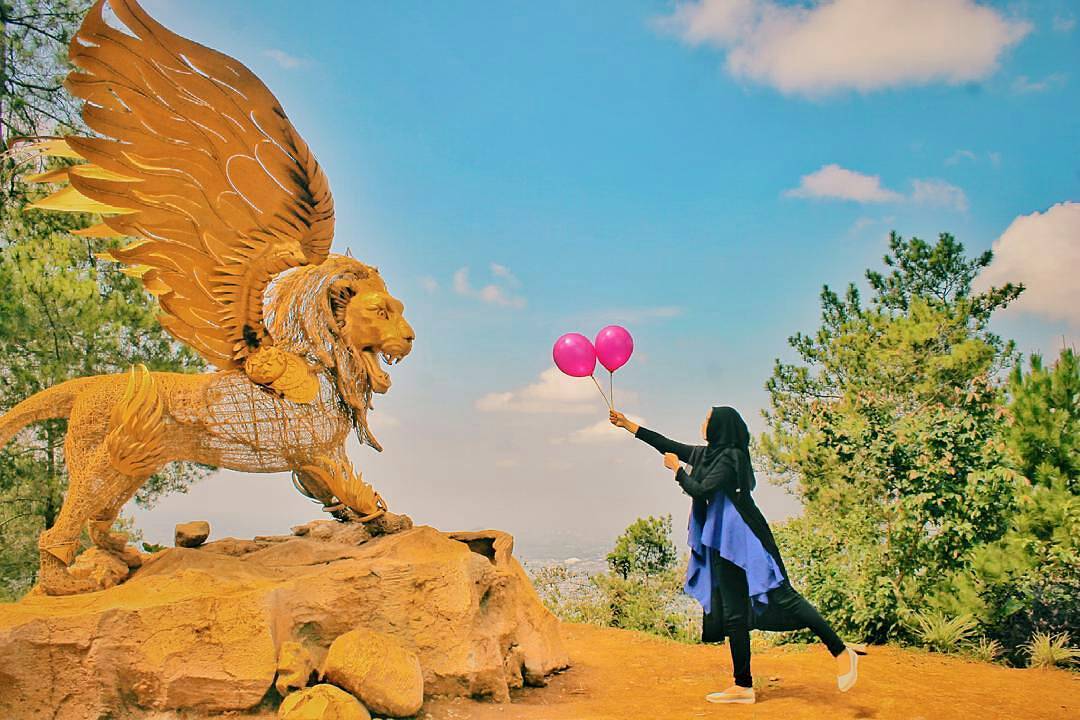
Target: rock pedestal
<point>204,629</point>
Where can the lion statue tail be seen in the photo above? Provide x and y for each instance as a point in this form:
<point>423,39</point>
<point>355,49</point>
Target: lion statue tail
<point>55,402</point>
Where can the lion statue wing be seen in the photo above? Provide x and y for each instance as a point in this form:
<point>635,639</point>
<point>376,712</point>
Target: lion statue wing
<point>198,161</point>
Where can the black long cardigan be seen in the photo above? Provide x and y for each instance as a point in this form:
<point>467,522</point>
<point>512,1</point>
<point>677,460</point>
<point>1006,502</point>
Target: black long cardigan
<point>724,475</point>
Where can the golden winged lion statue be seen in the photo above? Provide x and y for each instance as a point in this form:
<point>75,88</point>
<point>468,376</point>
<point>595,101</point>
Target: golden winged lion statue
<point>232,221</point>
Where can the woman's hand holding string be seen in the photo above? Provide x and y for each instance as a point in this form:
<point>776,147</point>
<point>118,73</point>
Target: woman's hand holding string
<point>671,462</point>
<point>619,420</point>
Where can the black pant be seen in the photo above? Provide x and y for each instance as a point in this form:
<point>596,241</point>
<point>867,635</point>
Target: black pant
<point>791,609</point>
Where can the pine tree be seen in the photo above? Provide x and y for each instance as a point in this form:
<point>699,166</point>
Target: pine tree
<point>1029,579</point>
<point>885,430</point>
<point>63,313</point>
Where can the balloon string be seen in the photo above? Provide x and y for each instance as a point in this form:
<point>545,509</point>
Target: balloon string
<point>601,391</point>
<point>611,387</point>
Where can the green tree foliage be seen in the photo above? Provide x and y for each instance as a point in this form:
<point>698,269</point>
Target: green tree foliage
<point>63,313</point>
<point>642,591</point>
<point>1028,580</point>
<point>1044,432</point>
<point>33,63</point>
<point>887,431</point>
<point>644,549</point>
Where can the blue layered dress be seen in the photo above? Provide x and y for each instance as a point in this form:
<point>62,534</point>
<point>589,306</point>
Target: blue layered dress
<point>717,525</point>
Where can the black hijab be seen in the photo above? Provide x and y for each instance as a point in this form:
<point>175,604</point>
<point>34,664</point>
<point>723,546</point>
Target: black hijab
<point>726,430</point>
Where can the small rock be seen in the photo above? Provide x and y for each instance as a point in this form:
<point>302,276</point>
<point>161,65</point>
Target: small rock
<point>389,523</point>
<point>295,667</point>
<point>102,567</point>
<point>233,547</point>
<point>192,534</point>
<point>378,669</point>
<point>322,702</point>
<point>348,533</point>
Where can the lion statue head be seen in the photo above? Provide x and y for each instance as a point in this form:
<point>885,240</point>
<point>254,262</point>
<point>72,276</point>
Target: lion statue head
<point>342,319</point>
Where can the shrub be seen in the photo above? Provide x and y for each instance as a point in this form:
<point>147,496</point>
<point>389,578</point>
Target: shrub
<point>985,650</point>
<point>643,590</point>
<point>942,633</point>
<point>1046,650</point>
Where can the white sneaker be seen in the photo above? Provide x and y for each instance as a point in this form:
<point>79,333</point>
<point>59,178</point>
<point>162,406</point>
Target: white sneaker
<point>734,694</point>
<point>847,681</point>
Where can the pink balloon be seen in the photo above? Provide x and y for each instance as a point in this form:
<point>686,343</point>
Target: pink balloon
<point>574,355</point>
<point>614,346</point>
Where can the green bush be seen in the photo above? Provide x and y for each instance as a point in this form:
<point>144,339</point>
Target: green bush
<point>942,633</point>
<point>985,650</point>
<point>1046,650</point>
<point>642,591</point>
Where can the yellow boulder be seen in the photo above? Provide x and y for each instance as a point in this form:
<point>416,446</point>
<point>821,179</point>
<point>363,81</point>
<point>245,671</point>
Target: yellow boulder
<point>294,669</point>
<point>378,669</point>
<point>322,702</point>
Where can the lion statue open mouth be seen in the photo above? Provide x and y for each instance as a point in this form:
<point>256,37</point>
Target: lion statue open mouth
<point>233,222</point>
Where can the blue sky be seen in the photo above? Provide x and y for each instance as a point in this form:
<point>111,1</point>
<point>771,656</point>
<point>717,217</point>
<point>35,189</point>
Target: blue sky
<point>695,172</point>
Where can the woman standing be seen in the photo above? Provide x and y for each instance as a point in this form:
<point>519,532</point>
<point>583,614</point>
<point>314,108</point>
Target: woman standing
<point>735,569</point>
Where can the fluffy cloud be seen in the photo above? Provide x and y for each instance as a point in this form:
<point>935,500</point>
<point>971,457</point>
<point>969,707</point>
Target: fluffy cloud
<point>501,271</point>
<point>602,432</point>
<point>837,183</point>
<point>1041,250</point>
<point>960,155</point>
<point>554,392</point>
<point>931,191</point>
<point>826,46</point>
<point>833,181</point>
<point>493,293</point>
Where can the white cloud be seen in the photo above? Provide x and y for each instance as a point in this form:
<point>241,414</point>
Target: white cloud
<point>430,284</point>
<point>553,393</point>
<point>501,271</point>
<point>1041,250</point>
<point>602,432</point>
<point>285,60</point>
<point>932,191</point>
<point>960,155</point>
<point>1025,85</point>
<point>833,181</point>
<point>861,224</point>
<point>491,293</point>
<point>824,46</point>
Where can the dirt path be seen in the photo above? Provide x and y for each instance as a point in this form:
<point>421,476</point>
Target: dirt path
<point>619,675</point>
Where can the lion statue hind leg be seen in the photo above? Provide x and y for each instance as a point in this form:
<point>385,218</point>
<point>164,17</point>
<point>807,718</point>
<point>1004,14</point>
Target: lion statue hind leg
<point>103,474</point>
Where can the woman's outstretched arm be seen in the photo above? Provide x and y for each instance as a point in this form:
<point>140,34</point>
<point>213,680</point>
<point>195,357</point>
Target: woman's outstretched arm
<point>662,444</point>
<point>721,475</point>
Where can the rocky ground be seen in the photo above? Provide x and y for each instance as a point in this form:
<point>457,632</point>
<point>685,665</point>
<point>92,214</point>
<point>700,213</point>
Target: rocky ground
<point>234,624</point>
<point>617,675</point>
<point>622,675</point>
<point>214,628</point>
